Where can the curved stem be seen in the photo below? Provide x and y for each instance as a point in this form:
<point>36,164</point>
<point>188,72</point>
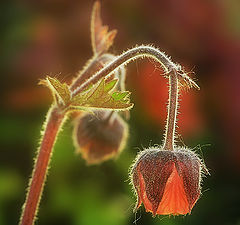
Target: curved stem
<point>173,70</point>
<point>172,112</point>
<point>53,124</point>
<point>92,66</point>
<point>133,54</point>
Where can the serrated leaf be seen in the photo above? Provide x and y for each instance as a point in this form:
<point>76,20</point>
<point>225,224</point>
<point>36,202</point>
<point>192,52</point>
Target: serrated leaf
<point>101,38</point>
<point>101,97</point>
<point>120,95</point>
<point>110,85</point>
<point>60,91</point>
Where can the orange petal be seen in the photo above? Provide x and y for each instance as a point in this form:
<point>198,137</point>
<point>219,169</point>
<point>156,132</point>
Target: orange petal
<point>174,199</point>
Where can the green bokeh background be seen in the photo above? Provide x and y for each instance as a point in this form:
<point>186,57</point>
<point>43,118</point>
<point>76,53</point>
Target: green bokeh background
<point>50,37</point>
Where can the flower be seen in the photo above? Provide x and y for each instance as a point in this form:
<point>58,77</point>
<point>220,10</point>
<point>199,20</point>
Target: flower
<point>167,182</point>
<point>100,137</point>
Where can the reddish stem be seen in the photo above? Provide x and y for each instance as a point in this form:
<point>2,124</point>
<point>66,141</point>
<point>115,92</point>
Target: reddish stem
<point>92,66</point>
<point>172,112</point>
<point>52,127</point>
<point>123,59</point>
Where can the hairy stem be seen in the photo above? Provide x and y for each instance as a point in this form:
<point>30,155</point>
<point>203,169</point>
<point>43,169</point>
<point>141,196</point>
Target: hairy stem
<point>172,112</point>
<point>133,54</point>
<point>52,126</point>
<point>92,66</point>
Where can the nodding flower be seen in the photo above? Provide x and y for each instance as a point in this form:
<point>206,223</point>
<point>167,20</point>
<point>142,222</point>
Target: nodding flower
<point>167,182</point>
<point>100,137</point>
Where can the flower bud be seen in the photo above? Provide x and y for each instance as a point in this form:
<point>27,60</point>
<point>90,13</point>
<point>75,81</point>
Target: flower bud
<point>100,137</point>
<point>167,182</point>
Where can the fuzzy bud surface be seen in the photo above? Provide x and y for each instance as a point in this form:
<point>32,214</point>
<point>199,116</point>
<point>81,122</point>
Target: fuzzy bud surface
<point>167,182</point>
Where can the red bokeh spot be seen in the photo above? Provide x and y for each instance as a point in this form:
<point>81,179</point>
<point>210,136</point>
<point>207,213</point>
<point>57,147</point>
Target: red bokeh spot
<point>152,95</point>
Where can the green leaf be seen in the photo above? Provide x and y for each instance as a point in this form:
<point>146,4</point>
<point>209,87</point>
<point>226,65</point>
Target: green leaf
<point>110,85</point>
<point>120,95</point>
<point>100,96</point>
<point>60,91</point>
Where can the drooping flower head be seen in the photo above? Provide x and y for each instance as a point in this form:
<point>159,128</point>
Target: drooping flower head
<point>100,137</point>
<point>167,182</point>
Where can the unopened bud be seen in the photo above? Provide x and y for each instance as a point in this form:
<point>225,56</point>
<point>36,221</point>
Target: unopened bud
<point>100,137</point>
<point>167,182</point>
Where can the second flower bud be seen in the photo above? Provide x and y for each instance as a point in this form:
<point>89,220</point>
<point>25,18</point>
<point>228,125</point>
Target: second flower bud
<point>100,136</point>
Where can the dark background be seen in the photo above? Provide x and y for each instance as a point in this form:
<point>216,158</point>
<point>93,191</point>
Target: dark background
<point>52,37</point>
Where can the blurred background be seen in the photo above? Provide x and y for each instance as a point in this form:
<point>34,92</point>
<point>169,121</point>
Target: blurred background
<point>52,37</point>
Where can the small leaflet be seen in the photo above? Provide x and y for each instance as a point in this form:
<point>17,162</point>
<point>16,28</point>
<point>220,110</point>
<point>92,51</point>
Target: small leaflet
<point>60,91</point>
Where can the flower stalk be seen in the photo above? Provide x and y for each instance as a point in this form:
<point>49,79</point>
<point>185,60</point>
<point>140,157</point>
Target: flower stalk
<point>172,112</point>
<point>131,55</point>
<point>54,121</point>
